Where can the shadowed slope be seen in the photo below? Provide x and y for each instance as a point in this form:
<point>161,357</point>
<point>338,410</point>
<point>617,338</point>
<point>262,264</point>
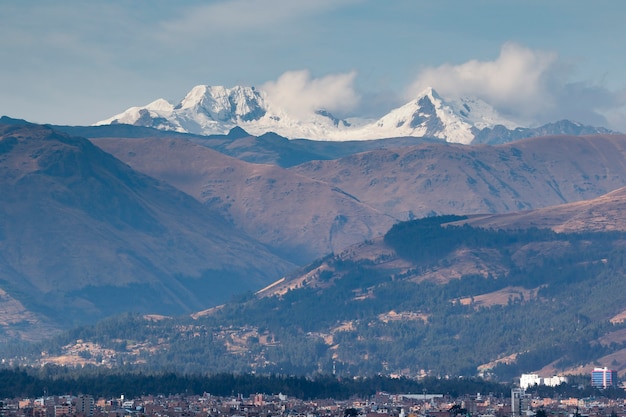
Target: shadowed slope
<point>82,235</point>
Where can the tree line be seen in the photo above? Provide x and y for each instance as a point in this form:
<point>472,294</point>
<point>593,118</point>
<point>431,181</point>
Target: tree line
<point>54,380</point>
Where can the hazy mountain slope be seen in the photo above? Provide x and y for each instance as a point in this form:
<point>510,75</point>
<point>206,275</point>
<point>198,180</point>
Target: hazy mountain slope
<point>82,235</point>
<point>18,323</point>
<point>453,179</point>
<point>304,218</point>
<point>500,134</point>
<point>268,148</point>
<point>271,148</point>
<point>300,218</point>
<point>425,300</point>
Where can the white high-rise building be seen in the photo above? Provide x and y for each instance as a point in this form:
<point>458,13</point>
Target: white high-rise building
<point>529,380</point>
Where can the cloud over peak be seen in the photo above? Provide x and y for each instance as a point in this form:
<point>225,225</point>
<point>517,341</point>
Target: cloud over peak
<point>300,94</point>
<point>531,85</point>
<point>515,80</point>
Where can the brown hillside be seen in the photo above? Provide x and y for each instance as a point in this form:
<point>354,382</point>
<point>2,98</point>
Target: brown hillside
<point>605,213</point>
<point>455,179</point>
<point>299,217</point>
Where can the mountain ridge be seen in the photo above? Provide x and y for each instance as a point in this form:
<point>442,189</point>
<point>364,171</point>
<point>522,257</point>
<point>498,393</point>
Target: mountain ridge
<point>425,297</point>
<point>211,110</point>
<point>321,206</point>
<point>441,178</point>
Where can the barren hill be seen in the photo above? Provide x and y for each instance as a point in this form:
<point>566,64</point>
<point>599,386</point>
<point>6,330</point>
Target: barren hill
<point>602,214</point>
<point>300,218</point>
<point>82,236</point>
<point>606,213</point>
<point>428,179</point>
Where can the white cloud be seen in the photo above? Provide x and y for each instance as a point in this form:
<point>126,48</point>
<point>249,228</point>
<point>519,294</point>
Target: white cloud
<point>299,94</point>
<point>528,84</point>
<point>516,79</point>
<point>616,115</point>
<point>225,17</point>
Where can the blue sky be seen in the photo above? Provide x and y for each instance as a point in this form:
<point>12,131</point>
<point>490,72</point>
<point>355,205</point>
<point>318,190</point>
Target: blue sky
<point>77,62</point>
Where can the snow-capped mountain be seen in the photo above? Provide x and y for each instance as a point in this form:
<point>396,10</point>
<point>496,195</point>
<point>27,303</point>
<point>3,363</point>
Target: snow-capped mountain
<point>429,115</point>
<point>210,110</point>
<point>204,110</point>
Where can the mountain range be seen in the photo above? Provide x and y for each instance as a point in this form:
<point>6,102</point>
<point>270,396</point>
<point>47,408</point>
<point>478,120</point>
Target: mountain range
<point>322,206</point>
<point>208,110</point>
<point>321,244</point>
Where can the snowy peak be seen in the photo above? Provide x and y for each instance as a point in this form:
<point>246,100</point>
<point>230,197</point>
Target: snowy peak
<point>429,115</point>
<point>160,105</point>
<point>194,98</point>
<point>204,110</point>
<point>222,104</point>
<point>208,110</point>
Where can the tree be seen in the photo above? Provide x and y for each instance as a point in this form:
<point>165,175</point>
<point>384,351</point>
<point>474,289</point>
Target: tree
<point>351,412</point>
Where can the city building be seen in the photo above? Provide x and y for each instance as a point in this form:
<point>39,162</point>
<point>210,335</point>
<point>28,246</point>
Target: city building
<point>529,380</point>
<point>520,402</point>
<point>603,378</point>
<point>85,405</point>
<point>554,381</point>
